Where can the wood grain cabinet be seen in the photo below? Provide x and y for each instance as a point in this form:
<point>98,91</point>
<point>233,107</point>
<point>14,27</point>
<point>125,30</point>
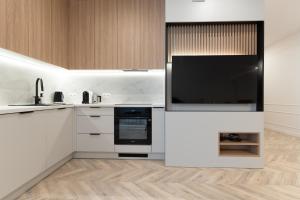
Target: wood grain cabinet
<point>40,35</point>
<point>2,23</point>
<point>125,34</point>
<point>60,32</point>
<point>17,25</point>
<point>82,34</point>
<point>141,34</point>
<point>86,34</point>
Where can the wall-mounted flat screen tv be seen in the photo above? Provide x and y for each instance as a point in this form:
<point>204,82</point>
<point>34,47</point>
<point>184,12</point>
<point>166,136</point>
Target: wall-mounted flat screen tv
<point>215,79</point>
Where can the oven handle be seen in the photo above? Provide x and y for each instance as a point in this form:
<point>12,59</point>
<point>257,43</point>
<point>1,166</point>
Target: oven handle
<point>117,117</point>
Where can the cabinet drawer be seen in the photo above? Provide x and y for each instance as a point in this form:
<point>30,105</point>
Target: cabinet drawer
<point>95,111</point>
<point>95,143</point>
<point>95,124</point>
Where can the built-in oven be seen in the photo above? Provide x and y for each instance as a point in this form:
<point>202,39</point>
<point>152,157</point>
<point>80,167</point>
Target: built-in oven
<point>133,126</point>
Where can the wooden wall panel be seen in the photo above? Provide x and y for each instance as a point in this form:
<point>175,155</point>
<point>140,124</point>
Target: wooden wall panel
<point>60,27</point>
<point>82,34</point>
<point>106,27</point>
<point>212,39</point>
<point>40,30</point>
<point>2,23</point>
<point>17,32</point>
<point>152,33</point>
<point>129,37</point>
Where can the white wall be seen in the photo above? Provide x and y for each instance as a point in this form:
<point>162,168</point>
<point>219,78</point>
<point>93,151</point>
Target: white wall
<point>282,85</point>
<point>214,10</point>
<point>18,74</point>
<point>282,19</point>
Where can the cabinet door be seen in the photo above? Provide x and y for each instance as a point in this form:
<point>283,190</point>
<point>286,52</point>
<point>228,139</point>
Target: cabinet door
<point>60,23</point>
<point>129,37</point>
<point>106,34</point>
<point>22,150</point>
<point>2,23</point>
<point>141,34</point>
<point>158,130</point>
<point>82,34</point>
<point>152,34</point>
<point>59,134</point>
<point>40,29</point>
<point>17,31</point>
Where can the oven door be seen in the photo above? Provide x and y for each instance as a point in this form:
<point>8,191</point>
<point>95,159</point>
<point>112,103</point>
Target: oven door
<point>133,130</point>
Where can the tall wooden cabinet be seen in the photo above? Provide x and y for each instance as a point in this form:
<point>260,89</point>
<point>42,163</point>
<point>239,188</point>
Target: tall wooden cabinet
<point>82,34</point>
<point>141,34</point>
<point>17,29</point>
<point>40,35</point>
<point>3,23</point>
<point>106,27</point>
<point>86,34</point>
<point>129,34</point>
<point>60,32</point>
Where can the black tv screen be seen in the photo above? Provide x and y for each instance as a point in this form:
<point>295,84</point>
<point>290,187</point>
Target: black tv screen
<point>215,79</point>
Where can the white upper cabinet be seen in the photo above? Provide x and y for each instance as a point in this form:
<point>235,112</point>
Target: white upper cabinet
<point>214,10</point>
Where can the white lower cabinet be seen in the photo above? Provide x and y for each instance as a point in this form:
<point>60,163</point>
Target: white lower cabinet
<point>30,143</point>
<point>95,130</point>
<point>59,134</point>
<point>22,150</point>
<point>158,130</point>
<point>95,142</point>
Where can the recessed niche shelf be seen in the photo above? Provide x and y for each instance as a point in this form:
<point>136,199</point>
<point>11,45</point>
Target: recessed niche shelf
<point>247,146</point>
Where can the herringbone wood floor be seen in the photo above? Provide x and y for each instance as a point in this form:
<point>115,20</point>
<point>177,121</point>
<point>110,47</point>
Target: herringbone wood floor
<point>149,180</point>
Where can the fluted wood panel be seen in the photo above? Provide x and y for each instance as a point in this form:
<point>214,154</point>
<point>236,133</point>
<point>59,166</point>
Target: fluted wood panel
<point>212,39</point>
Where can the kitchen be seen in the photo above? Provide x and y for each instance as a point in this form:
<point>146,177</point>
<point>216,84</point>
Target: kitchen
<point>138,99</point>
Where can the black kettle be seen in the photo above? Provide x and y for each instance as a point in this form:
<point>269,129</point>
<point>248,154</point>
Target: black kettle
<point>85,97</point>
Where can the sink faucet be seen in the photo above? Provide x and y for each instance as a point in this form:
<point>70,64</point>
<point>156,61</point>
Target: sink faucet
<point>37,98</point>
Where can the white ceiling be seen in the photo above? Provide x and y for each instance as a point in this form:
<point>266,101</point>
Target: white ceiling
<point>282,18</point>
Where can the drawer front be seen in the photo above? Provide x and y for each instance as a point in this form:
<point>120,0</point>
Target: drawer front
<point>95,143</point>
<point>95,124</point>
<point>95,111</point>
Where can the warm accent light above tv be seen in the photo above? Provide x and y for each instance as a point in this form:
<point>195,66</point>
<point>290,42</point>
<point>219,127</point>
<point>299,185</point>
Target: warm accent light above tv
<point>211,39</point>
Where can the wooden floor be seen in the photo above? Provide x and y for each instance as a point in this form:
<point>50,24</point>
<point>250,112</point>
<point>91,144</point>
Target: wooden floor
<point>149,180</point>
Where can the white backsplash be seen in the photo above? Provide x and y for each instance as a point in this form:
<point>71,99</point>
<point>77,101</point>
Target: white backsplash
<point>117,86</point>
<point>18,74</point>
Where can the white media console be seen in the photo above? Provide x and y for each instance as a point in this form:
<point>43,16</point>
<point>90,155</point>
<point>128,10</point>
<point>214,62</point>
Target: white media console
<point>193,139</point>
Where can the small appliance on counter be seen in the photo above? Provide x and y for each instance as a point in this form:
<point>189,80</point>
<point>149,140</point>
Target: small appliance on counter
<point>87,97</point>
<point>58,97</point>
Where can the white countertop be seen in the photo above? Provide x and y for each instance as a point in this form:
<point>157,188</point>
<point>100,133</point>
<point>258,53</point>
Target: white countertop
<point>119,105</point>
<point>19,109</point>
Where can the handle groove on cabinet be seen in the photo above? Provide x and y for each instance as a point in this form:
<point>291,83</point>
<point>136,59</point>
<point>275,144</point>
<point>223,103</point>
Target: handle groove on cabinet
<point>61,108</point>
<point>95,107</point>
<point>95,134</point>
<point>26,112</point>
<point>95,116</point>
